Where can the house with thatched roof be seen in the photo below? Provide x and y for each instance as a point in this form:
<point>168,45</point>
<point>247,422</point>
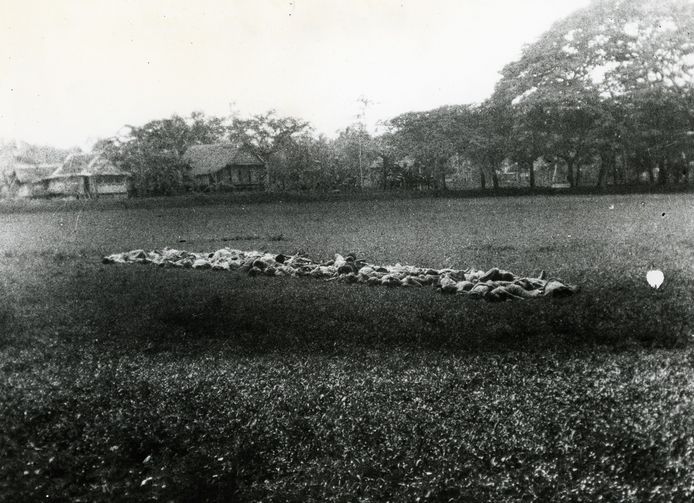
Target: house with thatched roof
<point>88,175</point>
<point>30,181</point>
<point>27,179</point>
<point>225,165</point>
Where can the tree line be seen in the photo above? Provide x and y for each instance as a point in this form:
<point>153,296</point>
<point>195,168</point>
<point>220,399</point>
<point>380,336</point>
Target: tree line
<point>606,93</point>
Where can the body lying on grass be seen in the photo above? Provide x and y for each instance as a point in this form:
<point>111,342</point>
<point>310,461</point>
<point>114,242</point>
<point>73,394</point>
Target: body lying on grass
<point>492,285</point>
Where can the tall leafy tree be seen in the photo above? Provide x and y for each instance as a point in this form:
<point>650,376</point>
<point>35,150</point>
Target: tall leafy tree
<point>387,171</point>
<point>270,136</point>
<point>153,152</point>
<point>486,135</point>
<point>590,85</point>
<point>432,138</point>
<point>355,151</point>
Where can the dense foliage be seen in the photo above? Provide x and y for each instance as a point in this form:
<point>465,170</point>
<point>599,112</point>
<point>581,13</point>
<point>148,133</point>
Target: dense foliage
<point>607,94</point>
<point>611,85</point>
<point>608,89</point>
<point>153,153</point>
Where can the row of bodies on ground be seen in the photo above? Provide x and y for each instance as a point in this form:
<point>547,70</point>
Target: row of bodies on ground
<point>83,175</point>
<point>493,285</point>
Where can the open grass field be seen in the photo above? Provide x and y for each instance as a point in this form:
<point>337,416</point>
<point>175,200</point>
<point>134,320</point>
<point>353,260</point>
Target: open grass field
<point>138,383</point>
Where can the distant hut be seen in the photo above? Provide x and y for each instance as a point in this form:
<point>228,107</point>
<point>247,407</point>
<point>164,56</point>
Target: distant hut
<point>27,179</point>
<point>70,180</point>
<point>225,165</point>
<point>107,180</point>
<point>86,175</point>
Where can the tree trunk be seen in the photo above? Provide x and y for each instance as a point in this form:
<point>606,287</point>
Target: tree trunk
<point>651,174</point>
<point>495,179</point>
<point>578,175</point>
<point>662,171</point>
<point>531,173</point>
<point>625,166</point>
<point>605,160</point>
<point>386,162</point>
<point>685,169</point>
<point>677,169</point>
<point>570,172</point>
<point>483,181</point>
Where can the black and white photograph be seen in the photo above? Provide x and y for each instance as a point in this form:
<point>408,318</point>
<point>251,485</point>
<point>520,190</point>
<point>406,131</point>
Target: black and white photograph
<point>346,251</point>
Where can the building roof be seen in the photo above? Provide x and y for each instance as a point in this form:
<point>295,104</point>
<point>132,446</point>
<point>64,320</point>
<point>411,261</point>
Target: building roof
<point>11,161</point>
<point>207,159</point>
<point>74,164</point>
<point>101,166</point>
<point>87,165</point>
<point>32,174</point>
<point>50,165</point>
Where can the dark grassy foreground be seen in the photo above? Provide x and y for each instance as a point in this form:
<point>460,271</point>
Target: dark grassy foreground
<point>139,383</point>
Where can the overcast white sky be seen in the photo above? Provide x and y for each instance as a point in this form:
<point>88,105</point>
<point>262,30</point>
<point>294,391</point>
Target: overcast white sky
<point>75,70</point>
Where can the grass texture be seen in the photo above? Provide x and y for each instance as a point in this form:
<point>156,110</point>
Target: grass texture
<point>136,383</point>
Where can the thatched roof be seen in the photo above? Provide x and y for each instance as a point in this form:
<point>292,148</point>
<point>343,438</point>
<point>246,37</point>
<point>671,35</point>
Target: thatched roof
<point>207,159</point>
<point>50,167</point>
<point>100,166</point>
<point>74,164</point>
<point>87,165</point>
<point>32,174</point>
<point>10,161</point>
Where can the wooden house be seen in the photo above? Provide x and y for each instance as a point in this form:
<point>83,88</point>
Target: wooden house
<point>225,165</point>
<point>26,179</point>
<point>87,175</point>
<point>107,180</point>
